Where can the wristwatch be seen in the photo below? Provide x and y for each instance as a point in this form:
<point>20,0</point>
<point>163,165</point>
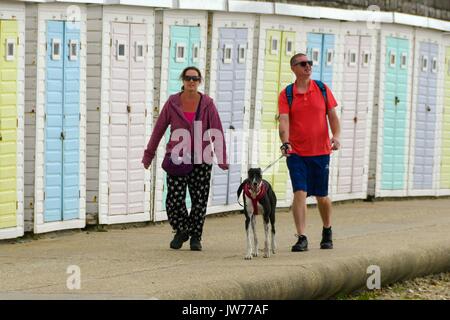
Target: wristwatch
<point>285,146</point>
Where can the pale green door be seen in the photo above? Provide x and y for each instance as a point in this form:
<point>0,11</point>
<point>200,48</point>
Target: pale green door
<point>8,123</point>
<point>277,75</point>
<point>445,162</point>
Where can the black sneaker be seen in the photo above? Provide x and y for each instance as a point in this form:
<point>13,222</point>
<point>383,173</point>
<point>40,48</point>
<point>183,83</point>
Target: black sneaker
<point>301,245</point>
<point>196,244</point>
<point>178,239</point>
<point>327,242</point>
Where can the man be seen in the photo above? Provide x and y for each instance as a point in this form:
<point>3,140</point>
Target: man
<point>303,131</point>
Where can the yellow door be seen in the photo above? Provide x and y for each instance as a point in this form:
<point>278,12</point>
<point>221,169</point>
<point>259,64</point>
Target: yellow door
<point>445,162</point>
<point>277,74</point>
<point>8,123</point>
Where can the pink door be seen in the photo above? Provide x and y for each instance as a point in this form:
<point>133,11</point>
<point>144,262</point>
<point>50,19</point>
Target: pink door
<point>137,116</point>
<point>127,119</point>
<point>354,114</point>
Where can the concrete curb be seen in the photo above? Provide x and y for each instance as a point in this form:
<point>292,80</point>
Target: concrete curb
<point>338,276</point>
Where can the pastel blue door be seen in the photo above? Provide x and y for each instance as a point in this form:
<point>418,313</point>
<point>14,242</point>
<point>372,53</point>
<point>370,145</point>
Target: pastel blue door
<point>425,117</point>
<point>394,117</point>
<point>230,102</point>
<point>320,50</point>
<point>184,52</point>
<point>62,116</point>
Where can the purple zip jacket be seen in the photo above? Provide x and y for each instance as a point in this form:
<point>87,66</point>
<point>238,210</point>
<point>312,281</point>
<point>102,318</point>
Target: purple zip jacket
<point>172,114</point>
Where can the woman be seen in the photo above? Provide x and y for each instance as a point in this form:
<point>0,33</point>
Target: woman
<point>180,111</point>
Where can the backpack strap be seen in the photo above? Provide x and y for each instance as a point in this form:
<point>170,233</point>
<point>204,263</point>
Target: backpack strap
<point>324,93</point>
<point>290,94</point>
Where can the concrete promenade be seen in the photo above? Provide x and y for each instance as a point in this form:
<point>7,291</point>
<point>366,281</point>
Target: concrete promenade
<point>405,238</point>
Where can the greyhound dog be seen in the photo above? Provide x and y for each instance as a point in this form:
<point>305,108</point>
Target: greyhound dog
<point>259,198</point>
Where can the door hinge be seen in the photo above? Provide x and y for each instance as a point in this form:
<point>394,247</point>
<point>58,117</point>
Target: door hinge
<point>45,117</point>
<point>109,119</point>
<point>144,187</point>
<point>108,191</point>
<point>17,205</point>
<point>79,116</point>
<point>110,42</point>
<point>44,195</point>
<point>146,113</point>
<point>79,193</point>
<point>18,41</point>
<point>17,122</point>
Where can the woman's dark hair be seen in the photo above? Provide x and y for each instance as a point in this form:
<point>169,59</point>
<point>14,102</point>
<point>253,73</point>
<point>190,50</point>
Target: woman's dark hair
<point>183,73</point>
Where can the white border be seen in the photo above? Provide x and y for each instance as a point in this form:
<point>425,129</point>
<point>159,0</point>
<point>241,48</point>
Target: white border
<point>58,12</point>
<point>123,14</point>
<point>16,11</point>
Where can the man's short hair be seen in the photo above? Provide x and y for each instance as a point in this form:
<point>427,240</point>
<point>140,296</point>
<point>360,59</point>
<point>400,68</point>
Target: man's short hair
<point>295,56</point>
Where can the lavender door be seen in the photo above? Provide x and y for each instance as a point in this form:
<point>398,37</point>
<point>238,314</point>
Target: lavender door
<point>127,119</point>
<point>425,117</point>
<point>230,104</point>
<point>354,114</point>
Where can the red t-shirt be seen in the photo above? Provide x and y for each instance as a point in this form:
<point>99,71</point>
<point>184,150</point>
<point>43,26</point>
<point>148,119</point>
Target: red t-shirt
<point>308,126</point>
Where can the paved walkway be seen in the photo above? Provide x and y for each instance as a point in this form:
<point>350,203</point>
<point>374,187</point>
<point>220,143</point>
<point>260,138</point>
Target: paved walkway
<point>405,238</point>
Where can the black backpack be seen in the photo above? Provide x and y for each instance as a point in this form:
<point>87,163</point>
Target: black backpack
<point>290,93</point>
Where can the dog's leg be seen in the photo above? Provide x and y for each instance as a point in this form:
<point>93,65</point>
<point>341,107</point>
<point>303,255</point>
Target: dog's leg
<point>248,226</point>
<point>255,242</point>
<point>266,239</point>
<point>272,223</point>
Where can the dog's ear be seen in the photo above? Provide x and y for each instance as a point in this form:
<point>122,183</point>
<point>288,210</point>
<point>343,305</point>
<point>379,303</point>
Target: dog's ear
<point>258,171</point>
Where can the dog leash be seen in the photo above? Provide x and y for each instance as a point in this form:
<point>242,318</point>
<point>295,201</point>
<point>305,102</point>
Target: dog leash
<point>272,163</point>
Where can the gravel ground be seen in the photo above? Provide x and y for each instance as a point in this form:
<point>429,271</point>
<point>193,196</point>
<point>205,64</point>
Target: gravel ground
<point>432,287</point>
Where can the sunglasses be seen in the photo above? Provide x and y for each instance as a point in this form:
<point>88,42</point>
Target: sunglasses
<point>193,78</point>
<point>304,63</point>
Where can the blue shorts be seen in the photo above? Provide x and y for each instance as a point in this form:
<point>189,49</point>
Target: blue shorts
<point>309,174</point>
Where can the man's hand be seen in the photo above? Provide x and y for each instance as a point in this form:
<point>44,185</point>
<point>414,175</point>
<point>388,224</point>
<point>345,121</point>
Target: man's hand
<point>286,149</point>
<point>335,144</point>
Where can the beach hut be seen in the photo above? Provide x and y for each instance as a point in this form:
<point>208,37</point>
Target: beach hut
<point>56,94</point>
<point>183,43</point>
<point>426,113</point>
<point>444,168</point>
<point>356,85</point>
<point>279,39</point>
<point>119,106</point>
<point>230,77</point>
<point>394,109</point>
<point>12,87</point>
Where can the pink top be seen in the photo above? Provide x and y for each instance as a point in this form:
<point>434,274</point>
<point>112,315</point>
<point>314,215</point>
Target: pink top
<point>189,116</point>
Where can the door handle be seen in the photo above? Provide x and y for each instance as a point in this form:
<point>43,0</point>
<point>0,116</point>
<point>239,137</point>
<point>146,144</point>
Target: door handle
<point>62,135</point>
<point>397,100</point>
<point>428,108</point>
<point>1,138</point>
<point>129,109</point>
<point>232,127</point>
<point>355,119</point>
